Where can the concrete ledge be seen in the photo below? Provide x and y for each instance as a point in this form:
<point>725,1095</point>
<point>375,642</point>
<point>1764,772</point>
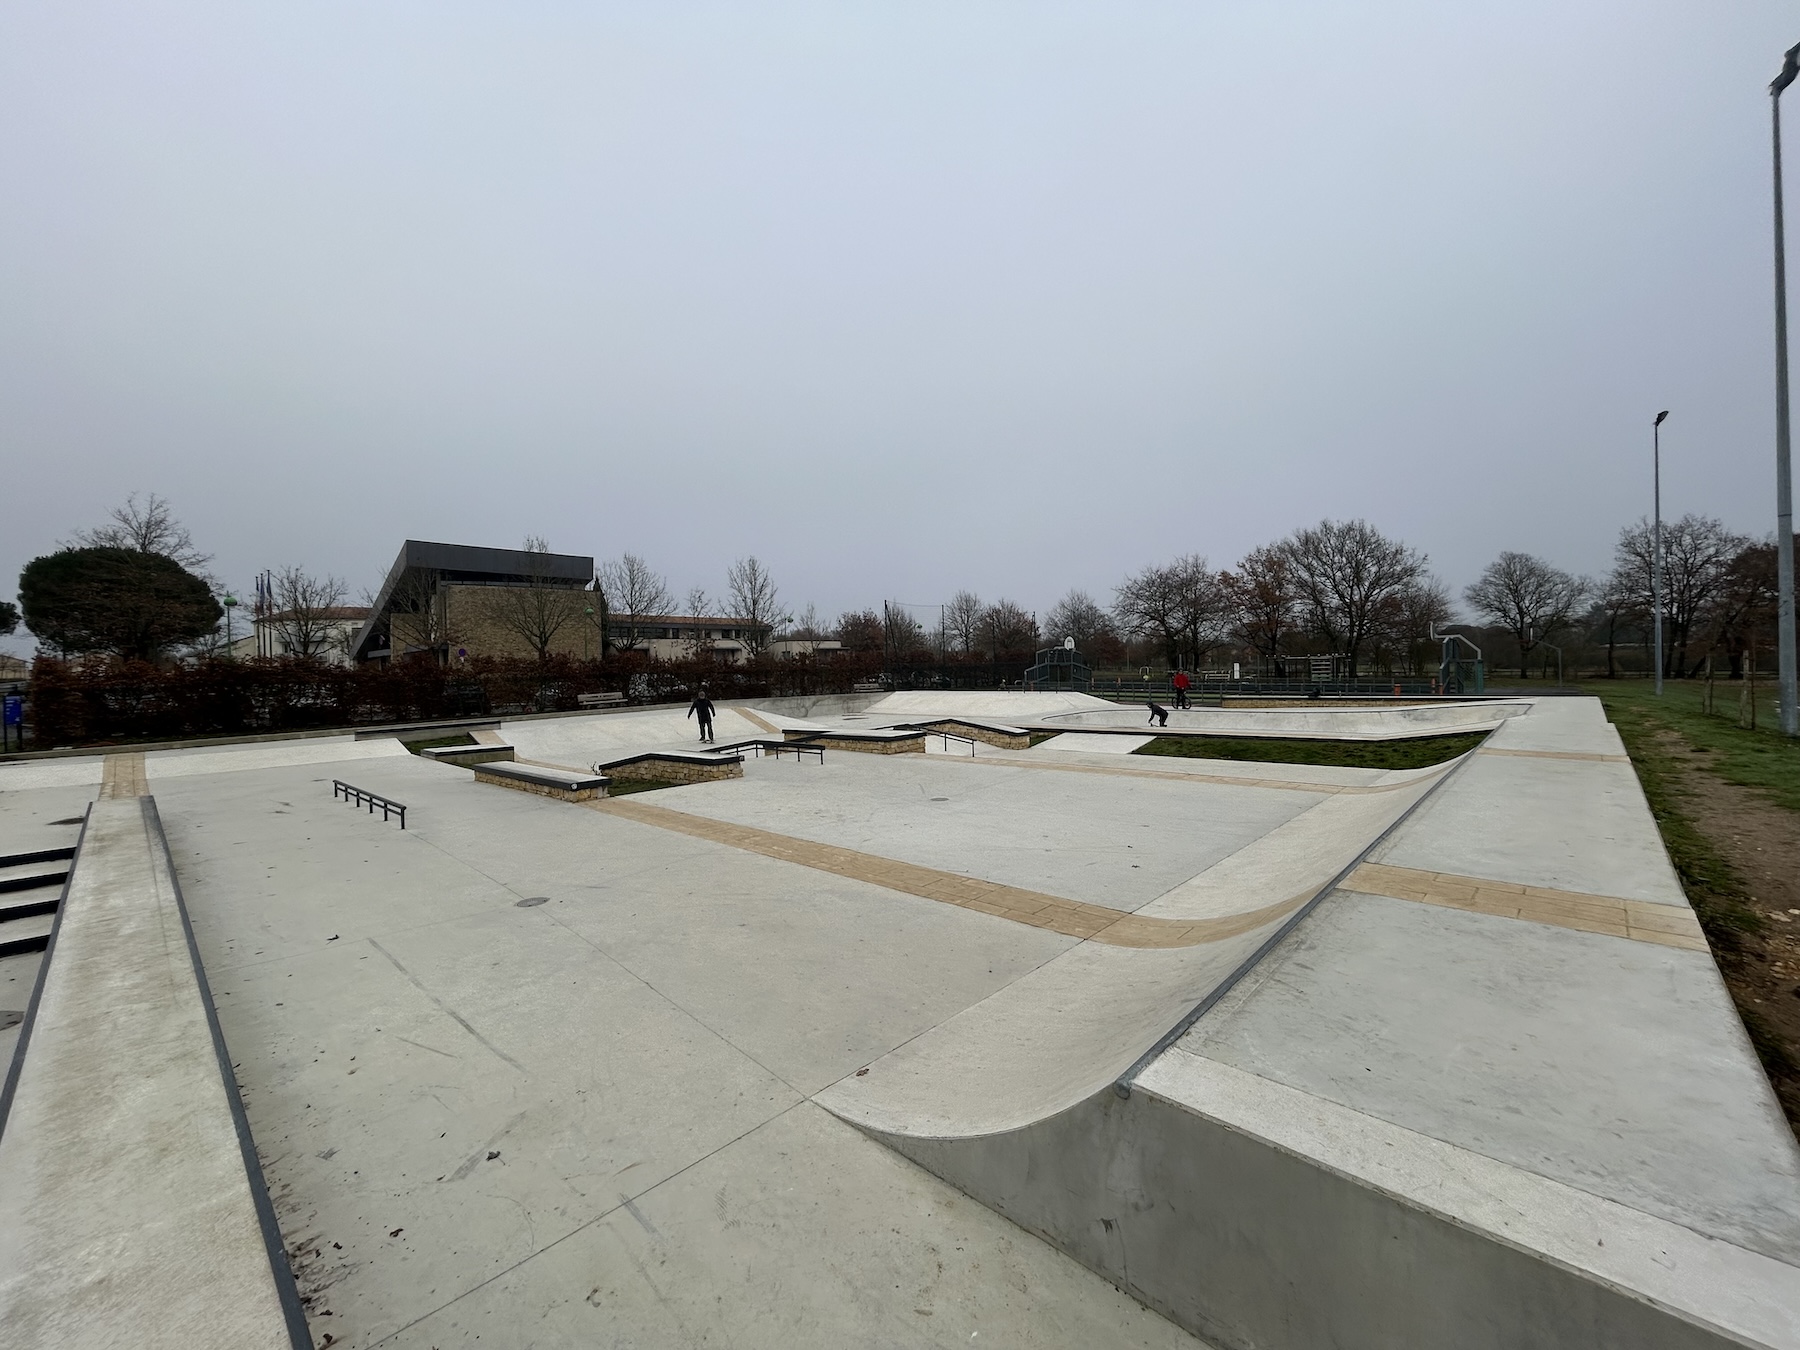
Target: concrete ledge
<point>132,1207</point>
<point>565,785</point>
<point>467,756</point>
<point>988,733</point>
<point>675,766</point>
<point>891,742</point>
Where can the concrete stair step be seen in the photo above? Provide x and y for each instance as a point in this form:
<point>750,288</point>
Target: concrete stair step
<point>28,903</point>
<point>28,934</point>
<point>32,876</point>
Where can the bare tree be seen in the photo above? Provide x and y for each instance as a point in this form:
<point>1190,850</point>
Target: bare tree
<point>698,641</point>
<point>307,616</point>
<point>1263,600</point>
<point>635,593</point>
<point>1182,605</point>
<point>860,630</point>
<point>1344,573</point>
<point>1528,598</point>
<point>1006,627</point>
<point>539,607</point>
<point>807,628</point>
<point>903,635</point>
<point>150,528</point>
<point>1148,605</point>
<point>1077,615</point>
<point>962,620</point>
<point>755,603</point>
<point>419,613</point>
<point>1405,623</point>
<point>1697,554</point>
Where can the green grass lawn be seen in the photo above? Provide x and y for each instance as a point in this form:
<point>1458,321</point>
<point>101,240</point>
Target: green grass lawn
<point>1762,759</point>
<point>624,787</point>
<point>1409,754</point>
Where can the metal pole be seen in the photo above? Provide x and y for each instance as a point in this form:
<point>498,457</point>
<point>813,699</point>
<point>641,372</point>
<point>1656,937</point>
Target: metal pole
<point>1784,484</point>
<point>1656,546</point>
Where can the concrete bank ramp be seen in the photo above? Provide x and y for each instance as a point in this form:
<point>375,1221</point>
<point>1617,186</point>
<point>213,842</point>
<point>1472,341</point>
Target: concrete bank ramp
<point>132,1211</point>
<point>578,742</point>
<point>1006,705</point>
<point>1070,1028</point>
<point>1320,721</point>
<point>1488,1094</point>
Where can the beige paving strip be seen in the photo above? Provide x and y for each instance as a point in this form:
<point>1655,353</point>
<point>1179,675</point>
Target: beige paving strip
<point>1639,920</point>
<point>1073,918</point>
<point>751,717</point>
<point>123,776</point>
<point>487,736</point>
<point>1556,754</point>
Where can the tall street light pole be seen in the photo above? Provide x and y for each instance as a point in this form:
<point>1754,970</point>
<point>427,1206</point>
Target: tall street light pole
<point>1784,478</point>
<point>1656,542</point>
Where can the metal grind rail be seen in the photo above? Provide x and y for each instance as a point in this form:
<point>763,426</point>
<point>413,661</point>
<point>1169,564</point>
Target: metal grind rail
<point>359,797</point>
<point>947,736</point>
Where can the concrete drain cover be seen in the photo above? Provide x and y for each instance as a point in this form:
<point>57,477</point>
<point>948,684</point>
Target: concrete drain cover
<point>531,900</point>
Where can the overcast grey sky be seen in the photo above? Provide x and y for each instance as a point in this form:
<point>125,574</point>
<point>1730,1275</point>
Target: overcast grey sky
<point>902,298</point>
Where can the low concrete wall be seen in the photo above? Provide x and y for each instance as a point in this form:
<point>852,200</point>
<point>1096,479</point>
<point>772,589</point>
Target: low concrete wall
<point>585,791</point>
<point>1254,1247</point>
<point>468,756</point>
<point>132,1206</point>
<point>676,769</point>
<point>862,743</point>
<point>1004,739</point>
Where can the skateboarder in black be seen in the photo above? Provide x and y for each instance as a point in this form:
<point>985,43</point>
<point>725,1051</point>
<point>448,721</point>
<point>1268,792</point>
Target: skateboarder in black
<point>1158,713</point>
<point>702,706</point>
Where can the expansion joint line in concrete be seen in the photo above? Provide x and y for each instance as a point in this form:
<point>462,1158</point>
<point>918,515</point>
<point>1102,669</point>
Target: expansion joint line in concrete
<point>123,776</point>
<point>1072,918</point>
<point>1638,920</point>
<point>1229,780</point>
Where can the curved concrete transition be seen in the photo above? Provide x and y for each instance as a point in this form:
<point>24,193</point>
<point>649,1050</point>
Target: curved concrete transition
<point>1471,1080</point>
<point>1071,1027</point>
<point>1319,721</point>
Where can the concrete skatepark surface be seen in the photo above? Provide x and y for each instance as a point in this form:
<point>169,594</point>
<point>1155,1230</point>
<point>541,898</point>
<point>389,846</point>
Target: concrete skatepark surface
<point>725,1063</point>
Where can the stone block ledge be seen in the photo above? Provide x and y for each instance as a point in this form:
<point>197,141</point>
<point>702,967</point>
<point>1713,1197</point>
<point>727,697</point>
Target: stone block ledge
<point>564,785</point>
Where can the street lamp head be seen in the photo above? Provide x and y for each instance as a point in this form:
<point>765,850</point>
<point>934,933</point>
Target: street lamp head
<point>1790,67</point>
<point>1659,418</point>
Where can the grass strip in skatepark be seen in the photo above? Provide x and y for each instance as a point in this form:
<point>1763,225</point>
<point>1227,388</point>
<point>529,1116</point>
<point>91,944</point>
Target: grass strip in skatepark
<point>1420,753</point>
<point>624,787</point>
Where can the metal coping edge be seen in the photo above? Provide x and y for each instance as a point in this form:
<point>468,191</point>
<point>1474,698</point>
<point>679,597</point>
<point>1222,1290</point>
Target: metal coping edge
<point>279,1269</point>
<point>1125,1081</point>
<point>37,989</point>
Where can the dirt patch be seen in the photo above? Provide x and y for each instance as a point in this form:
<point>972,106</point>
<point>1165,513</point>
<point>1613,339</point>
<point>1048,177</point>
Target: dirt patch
<point>1760,841</point>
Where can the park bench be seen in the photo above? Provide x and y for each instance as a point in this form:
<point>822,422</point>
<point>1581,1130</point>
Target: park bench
<point>600,700</point>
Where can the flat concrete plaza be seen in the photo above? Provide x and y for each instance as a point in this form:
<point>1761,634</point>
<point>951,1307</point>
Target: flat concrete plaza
<point>1059,1046</point>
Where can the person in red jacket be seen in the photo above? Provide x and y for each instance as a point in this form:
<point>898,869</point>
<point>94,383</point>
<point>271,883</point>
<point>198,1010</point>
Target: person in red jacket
<point>1181,688</point>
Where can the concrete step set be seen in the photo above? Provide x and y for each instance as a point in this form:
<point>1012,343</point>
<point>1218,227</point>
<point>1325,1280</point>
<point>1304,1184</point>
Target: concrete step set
<point>31,886</point>
<point>1426,1058</point>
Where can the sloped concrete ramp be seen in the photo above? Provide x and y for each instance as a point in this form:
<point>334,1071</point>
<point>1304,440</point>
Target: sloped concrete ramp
<point>1488,1091</point>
